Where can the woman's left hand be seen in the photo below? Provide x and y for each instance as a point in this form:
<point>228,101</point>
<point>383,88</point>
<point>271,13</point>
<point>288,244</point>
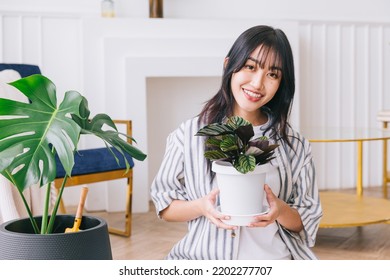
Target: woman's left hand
<point>272,214</point>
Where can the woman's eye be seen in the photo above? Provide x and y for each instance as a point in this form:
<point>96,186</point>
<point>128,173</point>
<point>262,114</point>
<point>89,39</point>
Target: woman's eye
<point>249,67</point>
<point>273,75</point>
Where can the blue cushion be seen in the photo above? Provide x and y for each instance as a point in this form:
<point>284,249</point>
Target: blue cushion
<point>23,69</point>
<point>93,161</point>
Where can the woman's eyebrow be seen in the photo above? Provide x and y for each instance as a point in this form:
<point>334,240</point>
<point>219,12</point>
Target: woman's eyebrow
<point>254,60</point>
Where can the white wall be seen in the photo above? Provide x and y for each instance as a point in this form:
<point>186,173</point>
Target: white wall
<point>164,103</point>
<point>344,10</point>
<point>343,55</point>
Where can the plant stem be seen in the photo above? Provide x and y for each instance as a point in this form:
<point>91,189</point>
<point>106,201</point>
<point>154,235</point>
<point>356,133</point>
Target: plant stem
<point>45,214</point>
<point>55,208</point>
<point>30,215</point>
<point>27,207</point>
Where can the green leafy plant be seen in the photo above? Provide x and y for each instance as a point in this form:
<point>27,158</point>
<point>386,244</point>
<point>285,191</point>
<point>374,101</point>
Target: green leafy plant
<point>232,141</point>
<point>31,134</point>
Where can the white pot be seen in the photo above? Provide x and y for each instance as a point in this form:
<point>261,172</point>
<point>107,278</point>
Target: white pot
<point>241,195</point>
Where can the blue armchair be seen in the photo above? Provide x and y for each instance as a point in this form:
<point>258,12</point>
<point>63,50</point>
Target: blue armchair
<point>23,69</point>
<point>91,165</point>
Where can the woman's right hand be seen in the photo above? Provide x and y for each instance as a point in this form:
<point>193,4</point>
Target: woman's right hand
<point>207,206</point>
<point>187,210</point>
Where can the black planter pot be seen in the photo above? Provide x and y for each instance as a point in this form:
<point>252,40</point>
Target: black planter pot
<point>92,242</point>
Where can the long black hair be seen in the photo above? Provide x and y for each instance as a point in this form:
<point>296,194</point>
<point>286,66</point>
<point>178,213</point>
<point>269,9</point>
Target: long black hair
<point>273,42</point>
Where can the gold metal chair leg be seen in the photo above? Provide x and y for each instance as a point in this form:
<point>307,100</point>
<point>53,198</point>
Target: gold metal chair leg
<point>62,207</point>
<point>127,231</point>
<point>359,183</point>
<point>386,177</point>
<point>129,196</point>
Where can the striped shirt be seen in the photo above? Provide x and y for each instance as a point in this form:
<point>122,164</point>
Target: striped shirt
<point>185,175</point>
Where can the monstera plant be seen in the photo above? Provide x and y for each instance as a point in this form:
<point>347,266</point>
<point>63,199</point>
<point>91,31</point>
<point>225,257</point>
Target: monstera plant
<point>232,141</point>
<point>33,133</point>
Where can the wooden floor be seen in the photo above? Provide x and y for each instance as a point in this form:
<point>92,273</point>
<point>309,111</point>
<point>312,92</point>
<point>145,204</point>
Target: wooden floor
<point>152,239</point>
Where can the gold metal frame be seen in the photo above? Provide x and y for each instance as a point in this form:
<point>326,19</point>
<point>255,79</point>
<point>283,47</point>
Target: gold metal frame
<point>359,141</point>
<point>386,174</point>
<point>107,176</point>
<point>384,118</point>
<point>348,210</point>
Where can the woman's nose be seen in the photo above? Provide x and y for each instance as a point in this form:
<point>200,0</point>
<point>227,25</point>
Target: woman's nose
<point>258,80</point>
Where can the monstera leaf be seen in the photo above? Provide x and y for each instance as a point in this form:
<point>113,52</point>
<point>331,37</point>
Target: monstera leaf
<point>31,133</point>
<point>39,127</point>
<point>103,127</point>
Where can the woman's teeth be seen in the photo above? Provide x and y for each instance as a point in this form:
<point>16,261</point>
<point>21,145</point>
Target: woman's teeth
<point>252,94</point>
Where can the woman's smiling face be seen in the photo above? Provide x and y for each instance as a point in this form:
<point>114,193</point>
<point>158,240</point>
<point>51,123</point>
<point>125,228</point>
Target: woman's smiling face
<point>255,84</point>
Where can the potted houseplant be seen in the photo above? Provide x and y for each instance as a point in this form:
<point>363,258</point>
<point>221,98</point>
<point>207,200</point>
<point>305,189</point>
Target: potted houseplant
<point>32,134</point>
<point>240,164</point>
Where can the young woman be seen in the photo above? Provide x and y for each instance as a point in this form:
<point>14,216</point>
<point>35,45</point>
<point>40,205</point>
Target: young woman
<point>258,85</point>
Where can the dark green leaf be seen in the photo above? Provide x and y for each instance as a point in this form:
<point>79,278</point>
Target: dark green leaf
<point>229,143</point>
<point>213,142</point>
<point>245,163</point>
<point>103,127</point>
<point>215,155</point>
<point>234,122</point>
<point>214,129</point>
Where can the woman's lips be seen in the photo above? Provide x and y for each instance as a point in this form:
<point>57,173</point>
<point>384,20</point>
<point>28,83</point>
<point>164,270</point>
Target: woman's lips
<point>253,96</point>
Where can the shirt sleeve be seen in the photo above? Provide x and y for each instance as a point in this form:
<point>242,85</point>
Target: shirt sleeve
<point>305,195</point>
<point>169,185</point>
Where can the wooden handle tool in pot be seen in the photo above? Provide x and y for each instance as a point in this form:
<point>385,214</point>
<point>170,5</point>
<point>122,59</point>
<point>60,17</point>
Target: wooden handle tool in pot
<point>79,213</point>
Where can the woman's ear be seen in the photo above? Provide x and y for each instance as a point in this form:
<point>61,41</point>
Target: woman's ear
<point>225,62</point>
